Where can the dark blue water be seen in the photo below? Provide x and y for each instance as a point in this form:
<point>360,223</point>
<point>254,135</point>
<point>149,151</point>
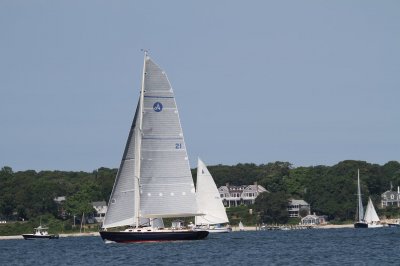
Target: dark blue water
<point>297,247</point>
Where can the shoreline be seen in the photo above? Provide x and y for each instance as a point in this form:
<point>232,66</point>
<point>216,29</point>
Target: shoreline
<point>234,229</point>
<point>60,235</point>
<point>325,226</point>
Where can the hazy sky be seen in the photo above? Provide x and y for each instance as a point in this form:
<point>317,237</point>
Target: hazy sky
<point>308,82</point>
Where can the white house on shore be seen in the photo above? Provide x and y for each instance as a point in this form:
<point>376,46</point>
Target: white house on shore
<point>295,206</point>
<point>390,198</point>
<point>236,195</point>
<point>312,219</point>
<point>101,209</point>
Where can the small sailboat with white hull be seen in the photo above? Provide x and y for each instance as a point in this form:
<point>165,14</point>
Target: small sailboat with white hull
<point>154,180</point>
<point>370,218</point>
<point>210,204</point>
<point>241,226</point>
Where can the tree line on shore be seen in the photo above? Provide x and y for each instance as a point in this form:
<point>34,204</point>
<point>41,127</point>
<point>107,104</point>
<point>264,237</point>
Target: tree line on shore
<point>330,190</point>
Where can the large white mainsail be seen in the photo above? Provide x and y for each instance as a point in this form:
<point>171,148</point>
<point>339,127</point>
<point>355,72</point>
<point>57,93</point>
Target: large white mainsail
<point>154,178</point>
<point>208,198</point>
<point>370,213</point>
<point>167,188</point>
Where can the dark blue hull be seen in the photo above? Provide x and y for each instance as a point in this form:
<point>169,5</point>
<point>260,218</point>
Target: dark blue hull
<point>128,237</point>
<point>33,237</point>
<point>394,225</point>
<point>360,225</point>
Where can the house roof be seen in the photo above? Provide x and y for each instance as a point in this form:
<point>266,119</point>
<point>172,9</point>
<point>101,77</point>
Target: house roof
<point>298,202</point>
<point>258,188</point>
<point>310,216</point>
<point>242,188</point>
<point>389,192</point>
<point>99,203</point>
<point>59,199</point>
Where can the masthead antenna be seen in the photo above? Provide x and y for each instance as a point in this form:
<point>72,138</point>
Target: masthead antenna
<point>146,51</point>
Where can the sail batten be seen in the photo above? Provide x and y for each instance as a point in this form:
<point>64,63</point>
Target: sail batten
<point>169,215</point>
<point>163,97</point>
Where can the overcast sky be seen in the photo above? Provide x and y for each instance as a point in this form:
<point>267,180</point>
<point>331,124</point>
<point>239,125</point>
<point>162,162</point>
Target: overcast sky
<point>308,82</point>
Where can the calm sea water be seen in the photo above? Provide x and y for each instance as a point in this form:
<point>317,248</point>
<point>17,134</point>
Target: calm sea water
<point>298,247</point>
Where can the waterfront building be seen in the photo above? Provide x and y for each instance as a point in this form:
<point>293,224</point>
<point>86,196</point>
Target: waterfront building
<point>101,209</point>
<point>296,206</point>
<point>390,198</point>
<point>237,195</point>
<point>313,219</point>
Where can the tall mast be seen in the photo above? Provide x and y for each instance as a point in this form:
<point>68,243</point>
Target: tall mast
<point>138,137</point>
<point>142,91</point>
<point>197,185</point>
<point>360,206</point>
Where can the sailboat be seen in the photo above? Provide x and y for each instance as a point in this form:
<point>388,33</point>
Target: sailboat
<point>360,223</point>
<point>154,180</point>
<point>209,203</point>
<point>241,226</point>
<point>370,219</point>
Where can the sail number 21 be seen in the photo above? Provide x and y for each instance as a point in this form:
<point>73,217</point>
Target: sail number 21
<point>178,146</point>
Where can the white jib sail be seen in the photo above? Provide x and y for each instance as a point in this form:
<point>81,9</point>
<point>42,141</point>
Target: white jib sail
<point>241,227</point>
<point>370,213</point>
<point>208,198</point>
<point>121,205</point>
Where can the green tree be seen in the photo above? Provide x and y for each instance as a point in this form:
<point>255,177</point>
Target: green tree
<point>274,176</point>
<point>80,202</point>
<point>272,207</point>
<point>6,171</point>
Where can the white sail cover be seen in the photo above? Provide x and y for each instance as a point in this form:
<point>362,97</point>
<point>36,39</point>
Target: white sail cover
<point>208,198</point>
<point>370,213</point>
<point>167,188</point>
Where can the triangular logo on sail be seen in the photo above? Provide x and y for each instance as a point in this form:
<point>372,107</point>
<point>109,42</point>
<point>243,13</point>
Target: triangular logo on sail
<point>157,107</point>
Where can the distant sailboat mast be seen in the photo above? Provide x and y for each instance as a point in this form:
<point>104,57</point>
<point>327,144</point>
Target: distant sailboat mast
<point>360,205</point>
